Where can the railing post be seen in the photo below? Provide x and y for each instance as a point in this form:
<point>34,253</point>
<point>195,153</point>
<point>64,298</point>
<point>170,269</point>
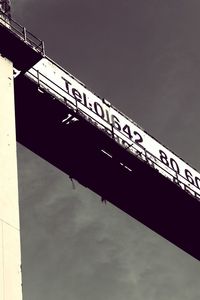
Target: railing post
<point>76,105</point>
<point>38,78</point>
<point>112,131</point>
<point>43,48</point>
<point>24,34</point>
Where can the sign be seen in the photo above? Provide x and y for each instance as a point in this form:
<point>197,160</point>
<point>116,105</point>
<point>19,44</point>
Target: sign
<point>69,90</point>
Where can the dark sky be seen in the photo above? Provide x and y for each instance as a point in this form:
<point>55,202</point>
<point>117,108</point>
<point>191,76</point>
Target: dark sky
<point>144,57</point>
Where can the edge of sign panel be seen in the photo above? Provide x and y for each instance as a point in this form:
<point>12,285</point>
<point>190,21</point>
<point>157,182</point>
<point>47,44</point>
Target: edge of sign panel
<point>63,86</point>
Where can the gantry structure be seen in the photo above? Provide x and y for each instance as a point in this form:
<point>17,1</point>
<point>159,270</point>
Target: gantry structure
<point>57,117</point>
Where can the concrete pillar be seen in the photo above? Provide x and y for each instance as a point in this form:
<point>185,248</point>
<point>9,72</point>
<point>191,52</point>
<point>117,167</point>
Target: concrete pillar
<point>10,256</point>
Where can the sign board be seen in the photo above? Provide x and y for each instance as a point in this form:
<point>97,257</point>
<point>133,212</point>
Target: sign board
<point>69,90</point>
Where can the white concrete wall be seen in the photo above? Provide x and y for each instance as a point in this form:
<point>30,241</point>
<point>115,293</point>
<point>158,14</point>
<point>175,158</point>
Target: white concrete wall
<point>10,257</point>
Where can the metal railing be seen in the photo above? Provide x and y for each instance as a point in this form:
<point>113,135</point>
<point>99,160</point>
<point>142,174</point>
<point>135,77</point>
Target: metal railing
<point>22,33</point>
<point>46,85</point>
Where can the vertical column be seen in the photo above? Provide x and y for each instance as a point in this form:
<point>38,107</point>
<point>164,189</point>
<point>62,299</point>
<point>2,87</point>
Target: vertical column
<point>10,257</point>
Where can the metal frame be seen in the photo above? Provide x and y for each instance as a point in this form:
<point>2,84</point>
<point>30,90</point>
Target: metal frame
<point>22,33</point>
<point>142,154</point>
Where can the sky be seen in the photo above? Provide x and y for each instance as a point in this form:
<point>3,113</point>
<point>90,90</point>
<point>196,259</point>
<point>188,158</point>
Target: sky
<point>143,56</point>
